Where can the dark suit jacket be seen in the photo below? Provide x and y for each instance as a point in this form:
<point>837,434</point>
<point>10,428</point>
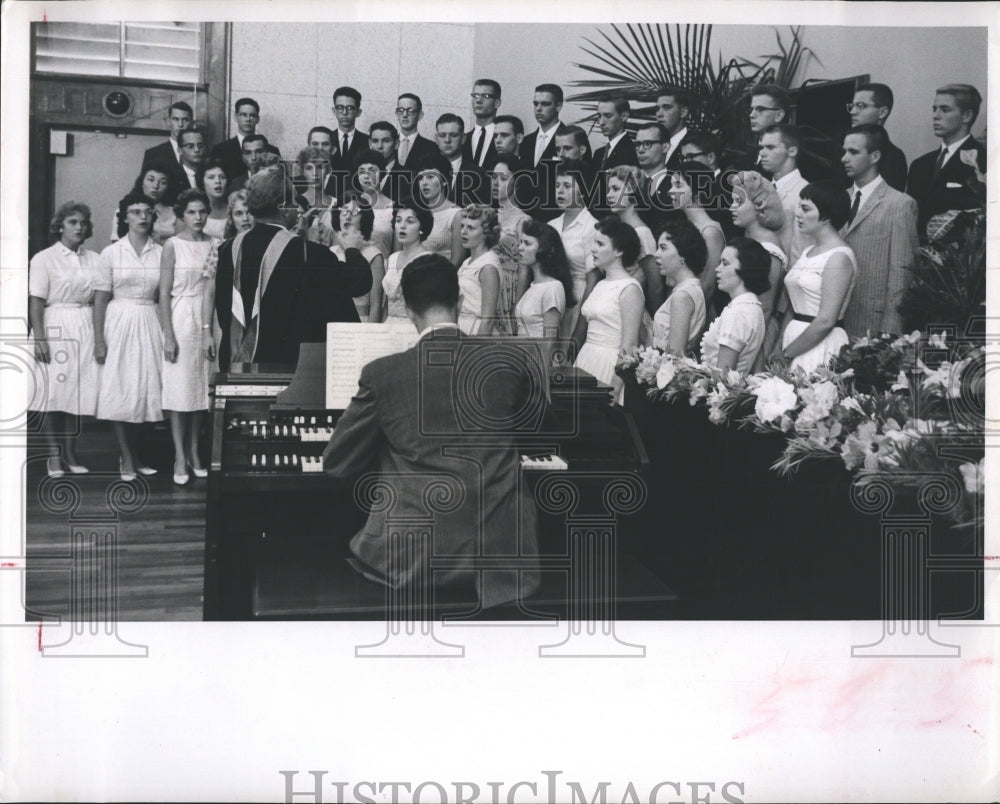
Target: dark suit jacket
<point>950,189</point>
<point>490,153</point>
<point>421,147</point>
<point>474,184</point>
<point>410,422</point>
<point>623,154</point>
<point>162,155</point>
<point>308,287</point>
<point>892,167</point>
<point>883,238</point>
<point>231,156</point>
<point>542,206</point>
<point>341,163</point>
<point>396,182</point>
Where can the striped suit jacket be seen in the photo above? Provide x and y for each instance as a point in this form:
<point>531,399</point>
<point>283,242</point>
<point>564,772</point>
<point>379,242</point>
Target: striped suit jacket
<point>883,237</point>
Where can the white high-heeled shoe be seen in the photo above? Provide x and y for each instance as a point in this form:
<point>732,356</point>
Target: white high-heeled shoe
<point>128,477</point>
<point>197,472</point>
<point>53,467</point>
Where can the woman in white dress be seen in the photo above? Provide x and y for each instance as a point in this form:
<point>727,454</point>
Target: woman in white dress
<point>623,190</point>
<point>360,218</point>
<point>433,177</point>
<point>820,283</point>
<point>680,255</point>
<point>368,169</point>
<point>185,364</point>
<point>128,342</point>
<point>155,183</point>
<point>612,314</point>
<point>512,218</point>
<point>576,228</point>
<point>540,310</point>
<point>60,294</point>
<point>413,225</point>
<point>479,275</point>
<point>212,180</point>
<point>692,188</point>
<point>757,209</point>
<point>734,338</point>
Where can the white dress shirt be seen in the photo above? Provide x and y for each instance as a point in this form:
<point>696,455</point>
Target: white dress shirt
<point>952,148</point>
<point>542,140</point>
<point>480,131</point>
<point>675,143</point>
<point>865,191</point>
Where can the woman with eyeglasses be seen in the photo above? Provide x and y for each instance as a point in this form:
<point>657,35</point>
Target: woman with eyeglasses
<point>127,337</point>
<point>60,294</point>
<point>156,184</point>
<point>433,176</point>
<point>366,178</point>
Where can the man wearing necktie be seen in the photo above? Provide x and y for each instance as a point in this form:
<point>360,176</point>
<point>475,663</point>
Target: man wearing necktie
<point>881,231</point>
<point>349,141</point>
<point>943,180</point>
<point>469,184</point>
<point>168,154</point>
<point>478,146</point>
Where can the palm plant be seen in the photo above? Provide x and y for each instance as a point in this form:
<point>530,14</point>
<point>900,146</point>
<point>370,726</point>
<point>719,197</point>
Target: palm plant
<point>644,59</point>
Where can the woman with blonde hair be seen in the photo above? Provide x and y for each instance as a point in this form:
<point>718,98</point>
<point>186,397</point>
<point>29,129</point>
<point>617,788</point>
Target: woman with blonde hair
<point>479,276</point>
<point>623,192</point>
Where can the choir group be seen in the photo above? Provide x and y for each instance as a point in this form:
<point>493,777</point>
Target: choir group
<point>661,237</point>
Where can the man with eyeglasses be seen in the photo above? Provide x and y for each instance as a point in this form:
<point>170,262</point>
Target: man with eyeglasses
<point>413,147</point>
<point>872,106</point>
<point>348,141</point>
<point>479,144</point>
<point>168,154</point>
<point>192,142</point>
<point>246,112</point>
<point>673,105</point>
<point>769,104</point>
<point>706,148</point>
<point>650,150</point>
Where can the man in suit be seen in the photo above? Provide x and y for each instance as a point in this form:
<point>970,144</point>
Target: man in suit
<point>769,104</point>
<point>654,190</point>
<point>882,233</point>
<point>872,105</point>
<point>193,149</point>
<point>384,139</point>
<point>254,147</point>
<point>508,132</point>
<point>274,290</point>
<point>409,421</point>
<point>571,147</point>
<point>705,147</point>
<point>412,146</point>
<point>469,184</point>
<point>246,112</point>
<point>478,146</point>
<point>942,180</point>
<point>348,141</point>
<point>612,116</point>
<point>168,154</point>
<point>779,151</point>
<point>673,105</point>
<point>321,138</point>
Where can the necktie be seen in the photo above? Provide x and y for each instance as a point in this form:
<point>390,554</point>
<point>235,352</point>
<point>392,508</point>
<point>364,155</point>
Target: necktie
<point>540,146</point>
<point>343,151</point>
<point>481,134</point>
<point>404,151</point>
<point>940,162</point>
<point>854,208</point>
<point>604,159</point>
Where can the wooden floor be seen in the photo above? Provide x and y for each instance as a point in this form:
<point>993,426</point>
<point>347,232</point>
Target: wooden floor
<point>139,551</point>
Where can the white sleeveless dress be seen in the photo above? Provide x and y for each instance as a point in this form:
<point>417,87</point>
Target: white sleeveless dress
<point>804,284</point>
<point>599,353</point>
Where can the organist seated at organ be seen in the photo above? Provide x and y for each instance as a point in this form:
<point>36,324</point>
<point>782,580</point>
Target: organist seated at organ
<point>420,418</point>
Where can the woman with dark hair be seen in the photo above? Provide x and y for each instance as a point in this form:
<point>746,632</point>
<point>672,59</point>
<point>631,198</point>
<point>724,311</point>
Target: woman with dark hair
<point>623,191</point>
<point>691,191</point>
<point>127,337</point>
<point>366,180</point>
<point>734,338</point>
<point>212,180</point>
<point>360,218</point>
<point>431,180</point>
<point>503,184</point>
<point>413,224</point>
<point>680,255</point>
<point>185,364</point>
<point>156,183</point>
<point>819,285</point>
<point>540,310</point>
<point>611,316</point>
<point>479,275</point>
<point>60,292</point>
<point>576,228</point>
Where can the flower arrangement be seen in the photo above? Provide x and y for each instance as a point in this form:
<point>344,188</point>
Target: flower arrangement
<point>878,408</point>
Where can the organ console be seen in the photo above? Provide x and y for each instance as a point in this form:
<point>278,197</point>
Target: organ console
<point>277,527</point>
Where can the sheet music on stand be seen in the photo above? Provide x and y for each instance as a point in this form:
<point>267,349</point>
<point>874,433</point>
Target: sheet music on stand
<point>350,346</point>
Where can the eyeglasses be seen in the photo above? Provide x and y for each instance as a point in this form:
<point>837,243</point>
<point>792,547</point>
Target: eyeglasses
<point>401,112</point>
<point>692,154</point>
<point>644,144</point>
<point>345,109</point>
<point>859,105</point>
<point>760,109</point>
<point>482,95</point>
